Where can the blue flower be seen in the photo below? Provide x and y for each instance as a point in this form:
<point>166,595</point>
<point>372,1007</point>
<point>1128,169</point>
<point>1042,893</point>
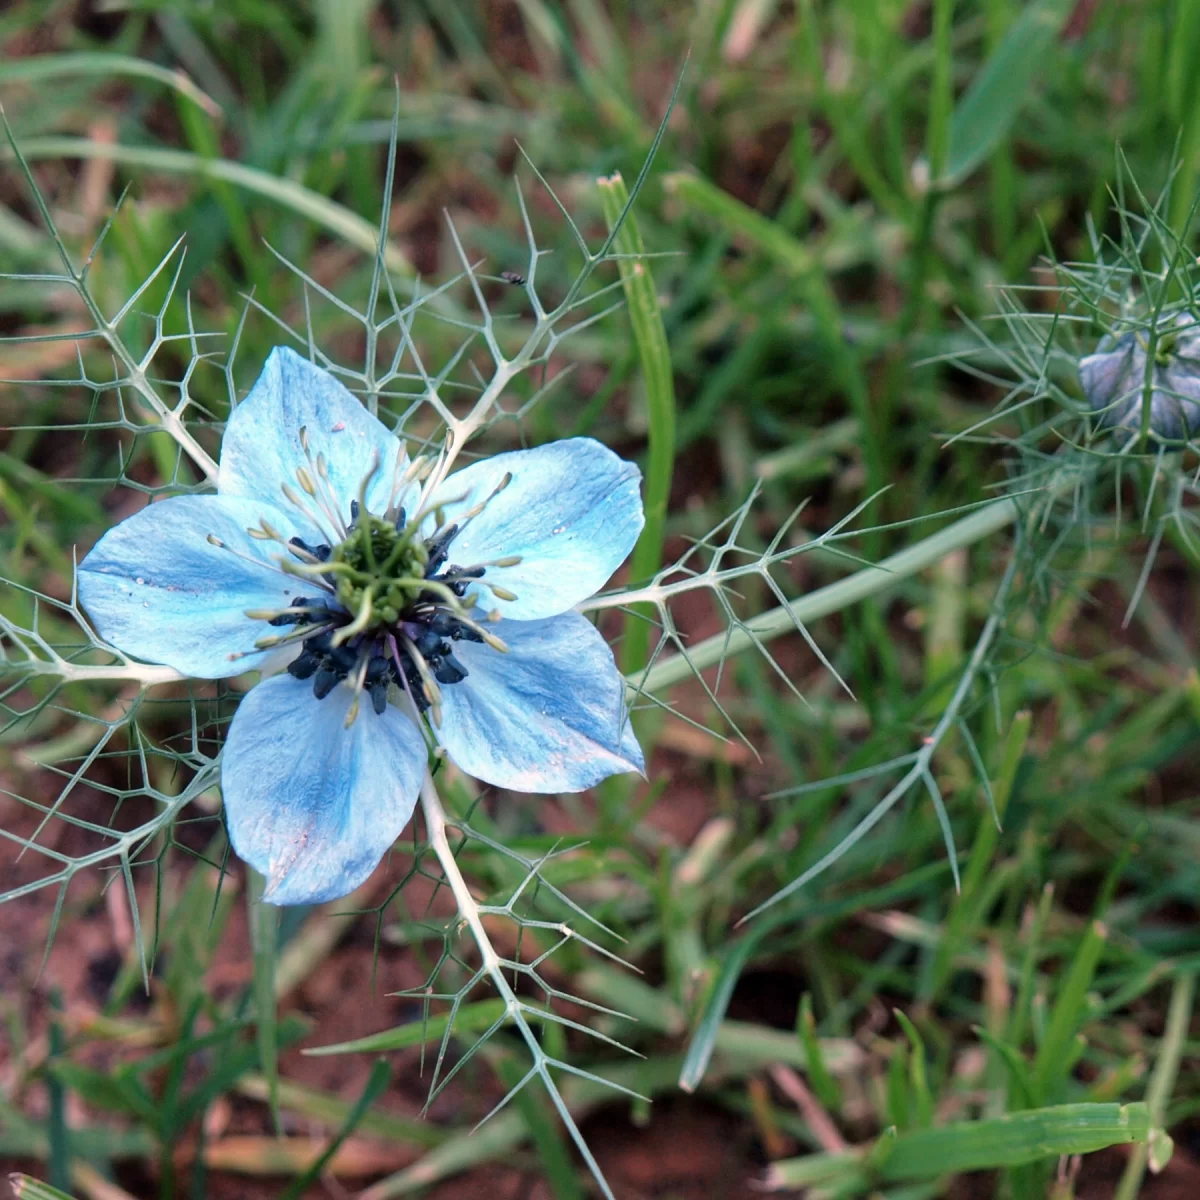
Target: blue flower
<point>412,608</point>
<point>1114,379</point>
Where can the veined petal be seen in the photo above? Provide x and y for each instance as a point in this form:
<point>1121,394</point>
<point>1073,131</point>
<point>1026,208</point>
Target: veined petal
<point>261,450</point>
<point>572,512</point>
<point>549,716</point>
<point>311,804</point>
<point>155,588</point>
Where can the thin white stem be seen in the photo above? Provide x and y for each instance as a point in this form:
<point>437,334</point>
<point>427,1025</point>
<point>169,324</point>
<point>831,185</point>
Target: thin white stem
<point>461,431</point>
<point>468,908</point>
<point>147,674</point>
<point>169,419</point>
<point>493,964</point>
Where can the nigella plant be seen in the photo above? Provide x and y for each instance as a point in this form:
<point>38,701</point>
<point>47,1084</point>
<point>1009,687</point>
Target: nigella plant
<point>389,612</point>
<point>393,610</point>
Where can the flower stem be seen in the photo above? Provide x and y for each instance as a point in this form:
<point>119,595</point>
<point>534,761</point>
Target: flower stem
<point>493,964</point>
<point>833,597</point>
<point>435,829</point>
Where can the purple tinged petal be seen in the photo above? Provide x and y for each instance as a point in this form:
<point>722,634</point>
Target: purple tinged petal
<point>310,804</point>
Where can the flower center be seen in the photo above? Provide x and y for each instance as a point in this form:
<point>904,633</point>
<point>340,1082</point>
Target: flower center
<point>380,570</point>
<point>390,606</point>
<point>393,612</point>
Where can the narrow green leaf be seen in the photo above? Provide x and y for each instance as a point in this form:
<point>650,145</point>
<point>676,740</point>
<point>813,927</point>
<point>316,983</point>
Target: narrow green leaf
<point>833,597</point>
<point>740,219</point>
<point>967,912</point>
<point>333,1111</point>
<point>823,1083</point>
<point>381,1074</point>
<point>1018,1069</point>
<point>115,1091</point>
<point>991,104</point>
<point>327,213</point>
<point>654,354</point>
<point>60,1138</point>
<point>1023,1006</point>
<point>41,68</point>
<point>917,1076</point>
<point>25,1187</point>
<point>470,1018</point>
<point>1012,1140</point>
<point>1016,1138</point>
<point>1050,1066</point>
<point>264,942</point>
<point>941,88</point>
<point>704,1039</point>
<point>1162,1084</point>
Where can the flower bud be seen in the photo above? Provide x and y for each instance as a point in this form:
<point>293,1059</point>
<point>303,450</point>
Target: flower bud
<point>1114,379</point>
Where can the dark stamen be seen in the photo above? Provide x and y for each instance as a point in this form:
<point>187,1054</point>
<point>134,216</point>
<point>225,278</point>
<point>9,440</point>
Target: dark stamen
<point>325,680</point>
<point>317,612</point>
<point>439,550</point>
<point>304,664</point>
<point>411,646</point>
<point>449,669</point>
<point>321,553</point>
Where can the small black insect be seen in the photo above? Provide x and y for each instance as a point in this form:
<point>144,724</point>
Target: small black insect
<point>513,277</point>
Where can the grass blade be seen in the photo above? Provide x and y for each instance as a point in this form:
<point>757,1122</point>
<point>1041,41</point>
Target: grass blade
<point>287,193</point>
<point>264,939</point>
<point>650,336</point>
<point>381,1074</point>
<point>1007,1141</point>
<point>996,96</point>
<point>41,68</point>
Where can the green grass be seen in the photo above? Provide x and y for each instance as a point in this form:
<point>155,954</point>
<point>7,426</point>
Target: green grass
<point>839,196</point>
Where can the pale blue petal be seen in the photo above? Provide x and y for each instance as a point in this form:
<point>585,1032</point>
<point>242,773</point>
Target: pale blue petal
<point>155,588</point>
<point>310,804</point>
<point>572,512</point>
<point>261,449</point>
<point>549,716</point>
<point>1108,377</point>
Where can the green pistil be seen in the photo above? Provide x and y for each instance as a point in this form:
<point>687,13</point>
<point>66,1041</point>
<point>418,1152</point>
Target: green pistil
<point>384,571</point>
